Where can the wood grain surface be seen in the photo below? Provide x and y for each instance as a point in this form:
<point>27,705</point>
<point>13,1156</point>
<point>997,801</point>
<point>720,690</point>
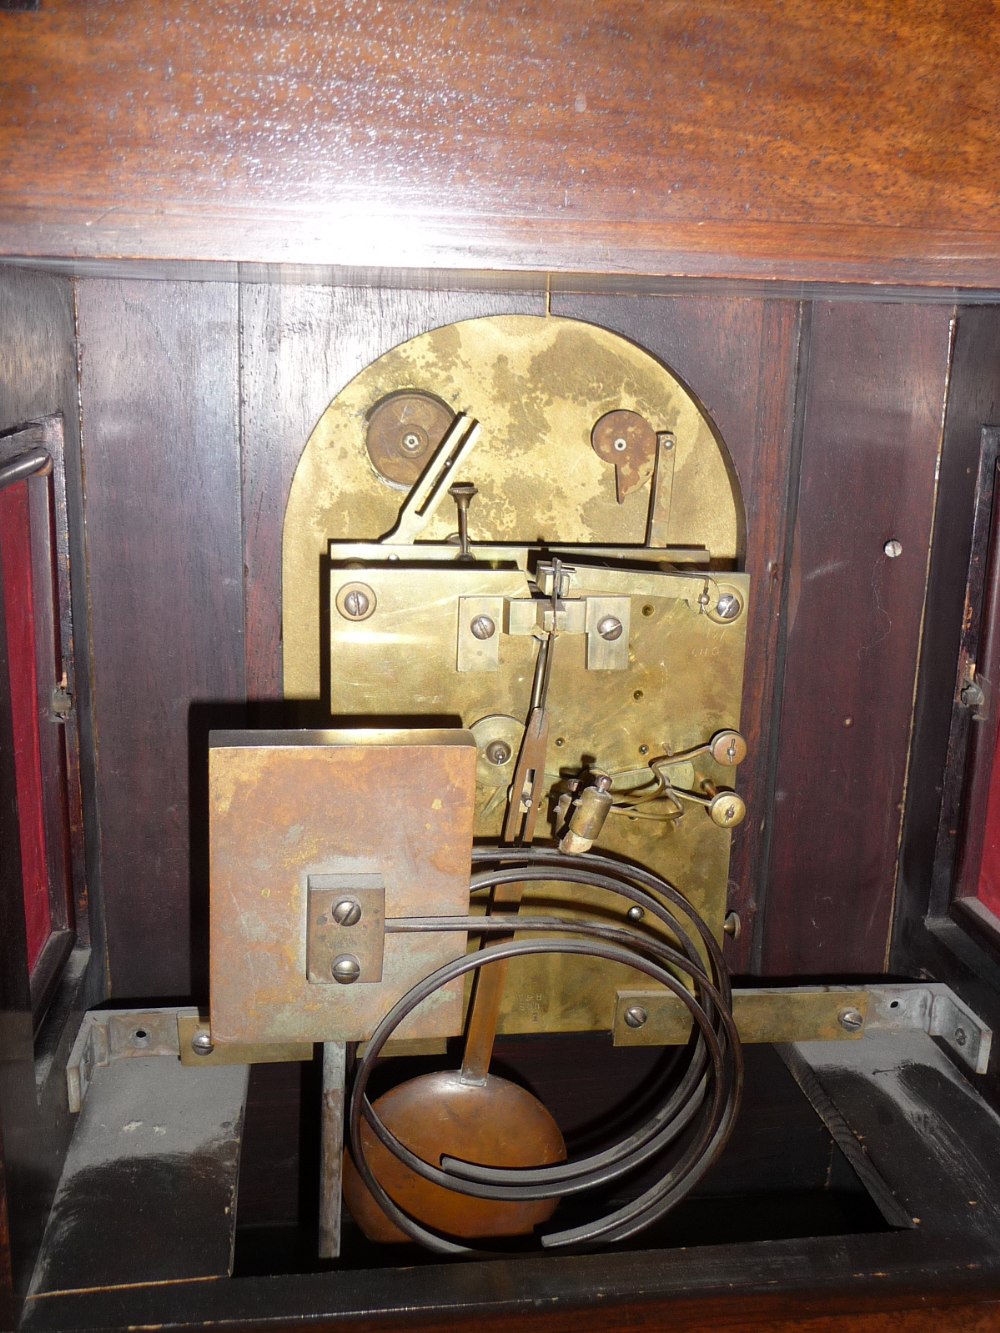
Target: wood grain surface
<point>788,140</point>
<point>740,358</point>
<point>162,504</point>
<point>299,346</point>
<point>872,427</point>
<point>931,842</point>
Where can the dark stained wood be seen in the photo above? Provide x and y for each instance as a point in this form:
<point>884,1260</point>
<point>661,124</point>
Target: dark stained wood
<point>299,347</point>
<point>39,381</point>
<point>38,378</point>
<point>928,851</point>
<point>159,404</point>
<point>873,412</point>
<point>786,140</point>
<point>740,358</point>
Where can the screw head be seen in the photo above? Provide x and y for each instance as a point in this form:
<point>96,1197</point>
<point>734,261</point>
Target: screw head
<point>851,1020</point>
<point>347,912</point>
<point>635,1016</point>
<point>961,1036</point>
<point>728,606</point>
<point>355,601</point>
<point>636,913</point>
<point>893,548</point>
<point>346,969</point>
<point>483,627</point>
<point>498,752</point>
<point>972,695</point>
<point>202,1043</point>
<point>610,627</point>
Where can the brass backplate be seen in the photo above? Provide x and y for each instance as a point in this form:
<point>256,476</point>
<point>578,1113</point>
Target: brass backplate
<point>671,680</point>
<point>538,386</point>
<point>287,806</point>
<point>681,686</point>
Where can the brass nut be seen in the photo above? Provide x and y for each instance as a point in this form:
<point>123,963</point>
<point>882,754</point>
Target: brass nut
<point>356,601</point>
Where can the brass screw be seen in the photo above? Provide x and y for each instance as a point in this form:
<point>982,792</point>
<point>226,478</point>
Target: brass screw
<point>851,1020</point>
<point>355,601</point>
<point>347,912</point>
<point>346,969</point>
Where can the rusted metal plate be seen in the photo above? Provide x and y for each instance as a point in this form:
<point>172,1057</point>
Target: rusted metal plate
<point>192,1025</point>
<point>289,805</point>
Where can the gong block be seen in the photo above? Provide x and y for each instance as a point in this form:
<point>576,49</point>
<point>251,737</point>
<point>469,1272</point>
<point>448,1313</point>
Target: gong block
<point>310,826</point>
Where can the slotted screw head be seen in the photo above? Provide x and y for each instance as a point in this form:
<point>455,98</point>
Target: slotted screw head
<point>851,1020</point>
<point>347,912</point>
<point>483,627</point>
<point>202,1043</point>
<point>635,1016</point>
<point>346,969</point>
<point>610,628</point>
<point>356,601</point>
<point>728,606</point>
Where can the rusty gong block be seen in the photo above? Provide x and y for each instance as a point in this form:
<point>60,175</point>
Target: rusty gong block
<point>298,808</point>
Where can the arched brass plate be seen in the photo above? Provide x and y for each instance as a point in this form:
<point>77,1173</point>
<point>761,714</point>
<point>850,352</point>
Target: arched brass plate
<point>537,385</point>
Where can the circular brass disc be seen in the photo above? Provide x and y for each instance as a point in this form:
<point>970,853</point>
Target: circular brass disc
<point>495,1123</point>
<point>627,441</point>
<point>403,432</point>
